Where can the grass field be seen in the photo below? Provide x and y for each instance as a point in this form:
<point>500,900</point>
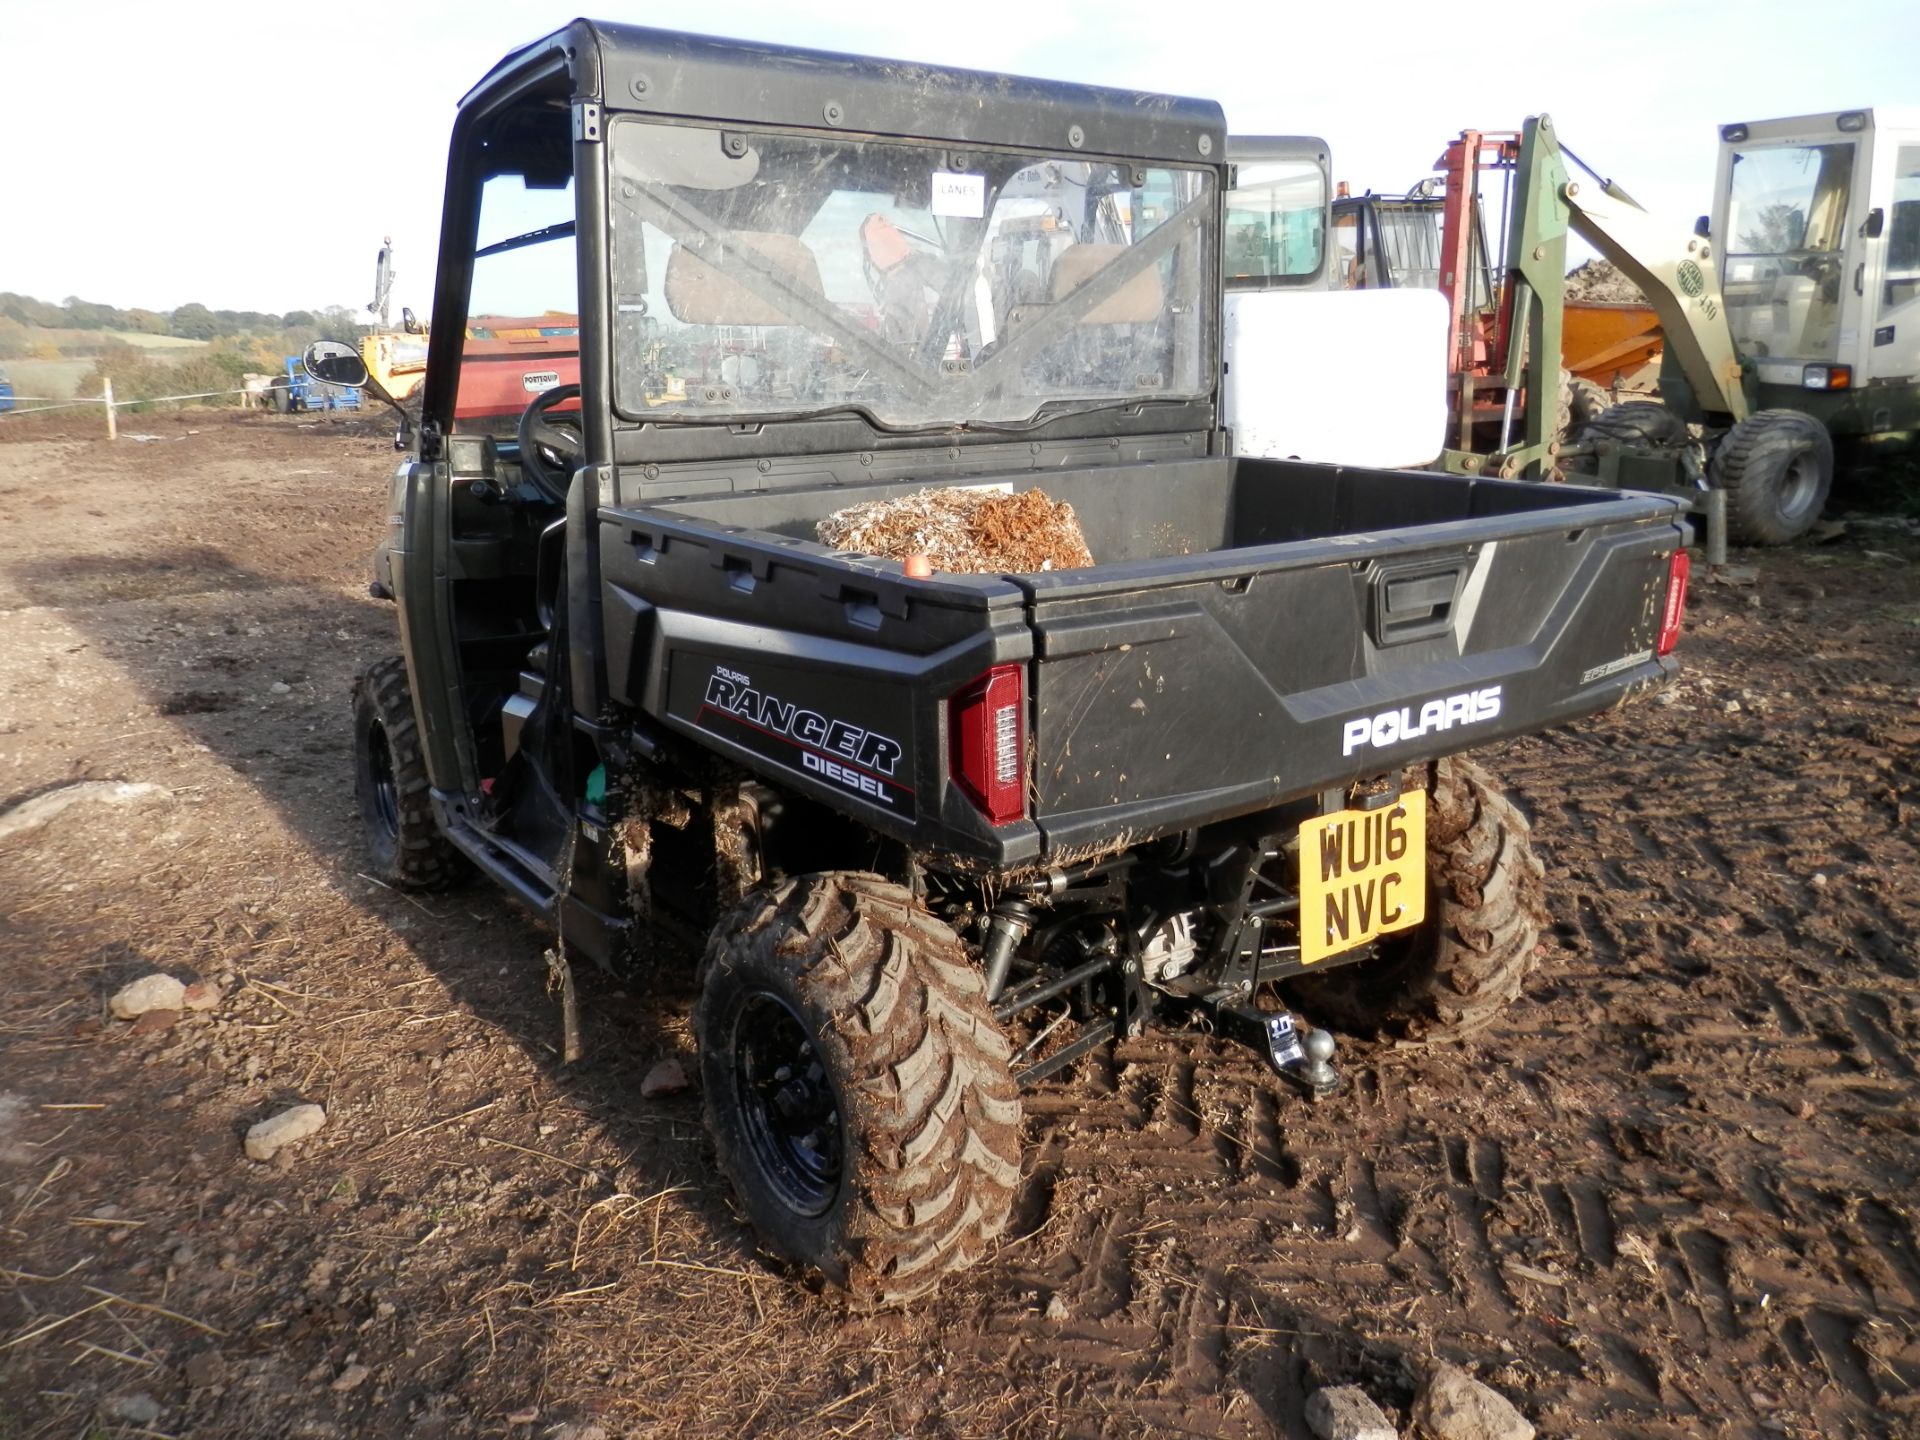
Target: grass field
<point>56,379</point>
<point>59,379</point>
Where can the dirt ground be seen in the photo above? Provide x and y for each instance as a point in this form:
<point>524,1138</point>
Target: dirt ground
<point>1669,1196</point>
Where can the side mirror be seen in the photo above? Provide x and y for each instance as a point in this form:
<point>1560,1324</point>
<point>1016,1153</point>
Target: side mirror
<point>1875,224</point>
<point>336,364</point>
<point>1703,227</point>
<point>407,321</point>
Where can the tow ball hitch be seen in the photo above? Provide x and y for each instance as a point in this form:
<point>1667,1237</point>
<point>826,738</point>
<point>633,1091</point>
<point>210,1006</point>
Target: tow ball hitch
<point>1304,1058</point>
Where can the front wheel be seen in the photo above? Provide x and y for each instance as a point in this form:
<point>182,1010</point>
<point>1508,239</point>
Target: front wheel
<point>1777,468</point>
<point>1455,973</point>
<point>404,843</point>
<point>857,1089</point>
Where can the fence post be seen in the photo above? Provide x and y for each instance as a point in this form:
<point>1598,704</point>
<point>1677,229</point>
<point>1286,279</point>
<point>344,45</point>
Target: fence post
<point>106,398</point>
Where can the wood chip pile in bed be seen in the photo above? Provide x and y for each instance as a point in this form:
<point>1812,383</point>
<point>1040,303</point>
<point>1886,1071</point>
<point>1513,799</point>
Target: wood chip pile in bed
<point>968,532</point>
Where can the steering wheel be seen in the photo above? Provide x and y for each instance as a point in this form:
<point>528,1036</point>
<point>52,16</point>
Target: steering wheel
<point>550,450</point>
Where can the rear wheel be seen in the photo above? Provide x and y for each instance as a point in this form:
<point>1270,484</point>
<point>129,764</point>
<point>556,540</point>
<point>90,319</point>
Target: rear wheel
<point>857,1088</point>
<point>1481,938</point>
<point>1777,468</point>
<point>390,776</point>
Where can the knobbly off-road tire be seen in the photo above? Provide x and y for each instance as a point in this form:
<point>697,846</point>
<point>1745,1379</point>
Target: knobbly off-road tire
<point>1585,400</point>
<point>1644,423</point>
<point>1777,469</point>
<point>1481,938</point>
<point>390,777</point>
<point>857,1088</point>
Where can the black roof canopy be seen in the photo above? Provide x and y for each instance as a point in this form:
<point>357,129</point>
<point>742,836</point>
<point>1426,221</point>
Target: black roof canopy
<point>662,72</point>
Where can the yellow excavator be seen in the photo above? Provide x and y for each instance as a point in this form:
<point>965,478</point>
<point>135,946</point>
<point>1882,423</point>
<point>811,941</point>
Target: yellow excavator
<point>395,358</point>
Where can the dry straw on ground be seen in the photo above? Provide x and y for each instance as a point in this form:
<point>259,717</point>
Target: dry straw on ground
<point>969,532</point>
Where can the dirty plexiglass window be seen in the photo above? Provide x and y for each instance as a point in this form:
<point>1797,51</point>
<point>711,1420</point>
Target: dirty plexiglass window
<point>921,287</point>
<point>1276,217</point>
<point>523,322</point>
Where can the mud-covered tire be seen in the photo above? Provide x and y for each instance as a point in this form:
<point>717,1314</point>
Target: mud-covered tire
<point>404,844</point>
<point>1481,938</point>
<point>884,1152</point>
<point>1777,469</point>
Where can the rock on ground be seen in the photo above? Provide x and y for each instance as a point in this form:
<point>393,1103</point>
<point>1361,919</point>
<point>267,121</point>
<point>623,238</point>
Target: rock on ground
<point>1343,1412</point>
<point>669,1077</point>
<point>149,992</point>
<point>271,1136</point>
<point>139,1408</point>
<point>1455,1406</point>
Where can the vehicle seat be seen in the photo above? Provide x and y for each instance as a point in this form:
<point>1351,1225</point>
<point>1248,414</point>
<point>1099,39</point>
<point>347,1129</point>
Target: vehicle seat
<point>702,294</point>
<point>1138,302</point>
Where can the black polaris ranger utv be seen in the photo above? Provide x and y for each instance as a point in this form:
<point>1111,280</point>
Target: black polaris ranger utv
<point>949,833</point>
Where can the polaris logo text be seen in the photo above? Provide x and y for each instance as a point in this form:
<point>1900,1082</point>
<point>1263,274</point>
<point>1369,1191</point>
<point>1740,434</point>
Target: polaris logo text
<point>1393,727</point>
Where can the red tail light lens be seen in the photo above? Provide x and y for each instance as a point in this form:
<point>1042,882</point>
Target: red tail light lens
<point>987,738</point>
<point>1677,573</point>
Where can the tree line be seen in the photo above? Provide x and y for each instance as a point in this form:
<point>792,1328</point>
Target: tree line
<point>192,321</point>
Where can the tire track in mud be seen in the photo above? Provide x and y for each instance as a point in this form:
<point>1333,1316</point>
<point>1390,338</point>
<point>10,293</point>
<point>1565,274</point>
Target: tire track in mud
<point>1646,1198</point>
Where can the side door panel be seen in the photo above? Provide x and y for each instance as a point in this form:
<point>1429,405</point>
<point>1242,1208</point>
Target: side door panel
<point>1890,345</point>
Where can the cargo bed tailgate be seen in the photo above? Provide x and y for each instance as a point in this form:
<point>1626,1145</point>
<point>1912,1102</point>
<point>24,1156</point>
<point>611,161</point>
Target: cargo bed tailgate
<point>1170,692</point>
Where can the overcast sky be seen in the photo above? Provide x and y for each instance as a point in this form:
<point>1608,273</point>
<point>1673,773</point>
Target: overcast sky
<point>251,156</point>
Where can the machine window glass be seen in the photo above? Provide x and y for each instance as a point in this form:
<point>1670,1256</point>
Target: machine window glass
<point>786,274</point>
<point>1903,230</point>
<point>1346,271</point>
<point>1275,218</point>
<point>523,319</point>
<point>1783,261</point>
<point>1409,236</point>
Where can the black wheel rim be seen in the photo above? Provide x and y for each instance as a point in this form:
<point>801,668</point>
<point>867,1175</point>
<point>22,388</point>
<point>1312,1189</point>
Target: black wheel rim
<point>386,790</point>
<point>787,1104</point>
<point>1801,485</point>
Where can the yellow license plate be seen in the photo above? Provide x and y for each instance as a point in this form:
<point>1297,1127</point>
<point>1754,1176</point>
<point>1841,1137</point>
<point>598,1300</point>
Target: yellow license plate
<point>1363,874</point>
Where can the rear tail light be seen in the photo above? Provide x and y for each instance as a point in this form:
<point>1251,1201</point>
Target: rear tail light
<point>987,743</point>
<point>1827,377</point>
<point>1677,572</point>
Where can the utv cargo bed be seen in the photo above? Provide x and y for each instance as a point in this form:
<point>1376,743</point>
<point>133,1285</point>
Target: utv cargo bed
<point>1244,618</point>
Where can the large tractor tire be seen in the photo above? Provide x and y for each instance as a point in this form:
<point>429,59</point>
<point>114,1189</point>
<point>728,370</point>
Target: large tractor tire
<point>1777,469</point>
<point>404,844</point>
<point>857,1088</point>
<point>1481,939</point>
<point>1637,422</point>
<point>1645,424</point>
<point>1585,400</point>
